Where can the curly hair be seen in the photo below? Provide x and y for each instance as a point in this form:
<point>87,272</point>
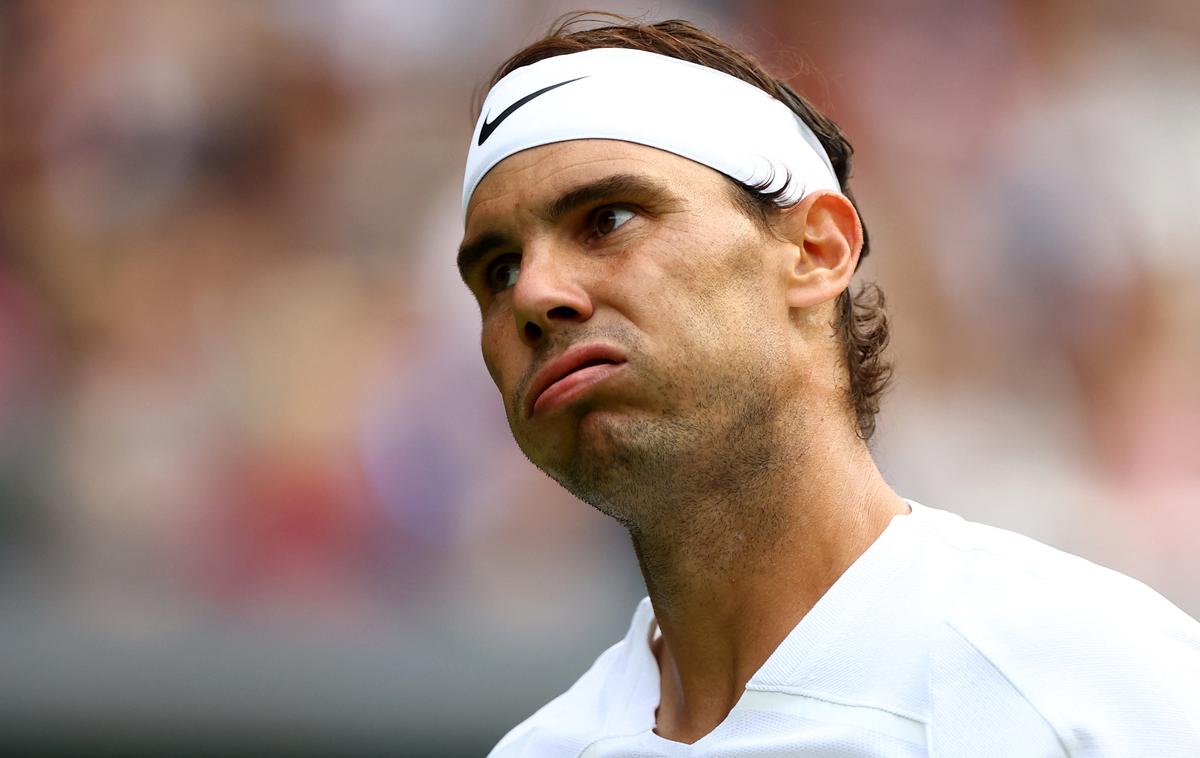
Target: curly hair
<point>860,323</point>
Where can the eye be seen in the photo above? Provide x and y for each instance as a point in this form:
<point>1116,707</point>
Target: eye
<point>502,273</point>
<point>608,219</point>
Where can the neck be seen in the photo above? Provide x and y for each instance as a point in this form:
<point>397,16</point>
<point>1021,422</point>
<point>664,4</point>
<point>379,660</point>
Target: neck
<point>740,565</point>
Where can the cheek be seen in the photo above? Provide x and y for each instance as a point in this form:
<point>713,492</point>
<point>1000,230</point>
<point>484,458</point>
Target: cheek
<point>496,351</point>
<point>717,310</point>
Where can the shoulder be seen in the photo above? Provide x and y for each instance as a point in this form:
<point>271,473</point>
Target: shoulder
<point>562,727</point>
<point>1108,664</point>
<point>598,704</point>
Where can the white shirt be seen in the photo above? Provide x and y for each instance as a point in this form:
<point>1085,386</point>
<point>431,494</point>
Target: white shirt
<point>945,638</point>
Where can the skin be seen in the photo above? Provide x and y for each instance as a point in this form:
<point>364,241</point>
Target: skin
<point>724,443</point>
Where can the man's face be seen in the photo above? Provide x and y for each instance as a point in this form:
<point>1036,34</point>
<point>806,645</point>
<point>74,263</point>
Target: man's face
<point>634,317</point>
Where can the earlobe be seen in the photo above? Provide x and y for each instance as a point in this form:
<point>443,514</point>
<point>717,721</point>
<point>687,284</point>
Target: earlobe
<point>828,235</point>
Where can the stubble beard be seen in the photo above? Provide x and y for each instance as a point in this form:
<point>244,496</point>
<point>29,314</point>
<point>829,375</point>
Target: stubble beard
<point>692,476</point>
<point>680,476</point>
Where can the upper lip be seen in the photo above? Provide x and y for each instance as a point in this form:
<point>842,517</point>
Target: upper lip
<point>570,360</point>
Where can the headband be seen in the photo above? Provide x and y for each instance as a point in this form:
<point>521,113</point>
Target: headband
<point>684,108</point>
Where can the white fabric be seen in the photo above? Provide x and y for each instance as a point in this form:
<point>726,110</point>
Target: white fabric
<point>684,108</point>
<point>946,638</point>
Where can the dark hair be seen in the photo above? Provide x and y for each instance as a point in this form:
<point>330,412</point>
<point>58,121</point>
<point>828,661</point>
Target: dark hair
<point>861,323</point>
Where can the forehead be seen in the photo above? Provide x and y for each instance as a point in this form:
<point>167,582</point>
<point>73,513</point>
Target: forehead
<point>524,182</point>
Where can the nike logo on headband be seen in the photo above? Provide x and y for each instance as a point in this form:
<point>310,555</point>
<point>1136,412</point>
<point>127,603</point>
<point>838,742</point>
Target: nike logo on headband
<point>490,126</point>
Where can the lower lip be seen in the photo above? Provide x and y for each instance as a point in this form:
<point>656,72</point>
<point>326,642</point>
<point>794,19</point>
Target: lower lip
<point>573,386</point>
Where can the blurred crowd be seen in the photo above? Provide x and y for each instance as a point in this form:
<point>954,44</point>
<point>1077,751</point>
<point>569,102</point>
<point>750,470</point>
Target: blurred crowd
<point>240,383</point>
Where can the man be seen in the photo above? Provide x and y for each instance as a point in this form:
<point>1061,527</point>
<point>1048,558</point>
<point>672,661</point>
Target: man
<point>661,240</point>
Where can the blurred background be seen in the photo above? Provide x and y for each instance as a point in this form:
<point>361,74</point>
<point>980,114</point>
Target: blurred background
<point>256,488</point>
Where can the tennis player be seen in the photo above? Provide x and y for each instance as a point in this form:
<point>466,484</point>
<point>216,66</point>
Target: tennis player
<point>661,239</point>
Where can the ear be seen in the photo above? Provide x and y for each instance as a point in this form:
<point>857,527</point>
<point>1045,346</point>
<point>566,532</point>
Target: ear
<point>827,235</point>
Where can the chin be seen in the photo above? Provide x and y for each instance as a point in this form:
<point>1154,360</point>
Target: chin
<point>595,427</point>
<point>606,461</point>
<point>558,444</point>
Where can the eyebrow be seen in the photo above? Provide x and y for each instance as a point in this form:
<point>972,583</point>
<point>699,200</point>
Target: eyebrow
<point>628,185</point>
<point>622,185</point>
<point>471,253</point>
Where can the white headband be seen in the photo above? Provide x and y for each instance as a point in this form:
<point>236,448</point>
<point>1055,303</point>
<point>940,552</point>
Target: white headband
<point>654,100</point>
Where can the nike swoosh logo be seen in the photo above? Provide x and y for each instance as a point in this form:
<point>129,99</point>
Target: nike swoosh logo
<point>490,126</point>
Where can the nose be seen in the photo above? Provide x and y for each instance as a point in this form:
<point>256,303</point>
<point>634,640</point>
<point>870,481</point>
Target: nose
<point>547,296</point>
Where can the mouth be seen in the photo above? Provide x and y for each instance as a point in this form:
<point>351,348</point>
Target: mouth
<point>571,376</point>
